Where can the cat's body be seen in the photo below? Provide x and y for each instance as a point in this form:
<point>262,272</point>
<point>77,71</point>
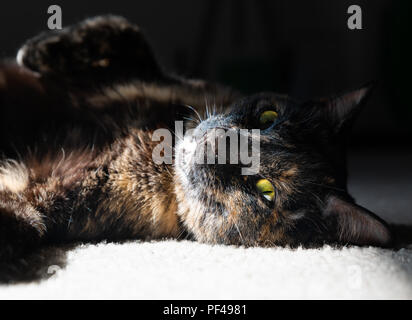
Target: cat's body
<point>78,128</point>
<point>92,176</point>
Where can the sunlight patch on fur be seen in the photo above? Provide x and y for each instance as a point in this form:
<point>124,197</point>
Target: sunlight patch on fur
<point>14,176</point>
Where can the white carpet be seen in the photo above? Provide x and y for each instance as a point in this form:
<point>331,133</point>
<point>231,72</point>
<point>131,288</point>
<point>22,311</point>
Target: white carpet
<point>189,270</point>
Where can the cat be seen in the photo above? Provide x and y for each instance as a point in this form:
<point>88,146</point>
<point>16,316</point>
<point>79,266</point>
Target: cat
<point>78,112</point>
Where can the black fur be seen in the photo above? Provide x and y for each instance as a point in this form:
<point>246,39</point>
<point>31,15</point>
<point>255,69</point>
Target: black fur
<point>77,119</point>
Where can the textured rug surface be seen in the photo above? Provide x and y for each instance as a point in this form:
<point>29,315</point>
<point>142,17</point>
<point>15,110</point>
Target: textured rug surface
<point>189,270</point>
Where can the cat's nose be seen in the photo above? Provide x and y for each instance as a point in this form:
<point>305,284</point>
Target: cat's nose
<point>208,124</point>
<point>215,146</point>
<point>214,122</point>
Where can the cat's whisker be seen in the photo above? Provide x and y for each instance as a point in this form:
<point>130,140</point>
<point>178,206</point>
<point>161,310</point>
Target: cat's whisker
<point>181,233</point>
<point>240,234</point>
<point>208,115</point>
<point>194,110</point>
<point>191,120</point>
<point>323,185</point>
<point>168,171</point>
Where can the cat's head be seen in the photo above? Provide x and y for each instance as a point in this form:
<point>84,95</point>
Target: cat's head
<point>297,197</point>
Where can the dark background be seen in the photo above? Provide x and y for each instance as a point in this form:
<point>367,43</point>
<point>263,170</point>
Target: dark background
<point>303,48</point>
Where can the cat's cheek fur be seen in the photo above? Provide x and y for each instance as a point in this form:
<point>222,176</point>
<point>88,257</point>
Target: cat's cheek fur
<point>234,224</point>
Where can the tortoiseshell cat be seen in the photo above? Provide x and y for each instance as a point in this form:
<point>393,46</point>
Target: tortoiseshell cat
<point>77,117</point>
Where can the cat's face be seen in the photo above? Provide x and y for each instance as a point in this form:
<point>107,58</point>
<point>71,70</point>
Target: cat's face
<point>296,197</point>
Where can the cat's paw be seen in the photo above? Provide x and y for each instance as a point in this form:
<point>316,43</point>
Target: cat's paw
<point>101,48</point>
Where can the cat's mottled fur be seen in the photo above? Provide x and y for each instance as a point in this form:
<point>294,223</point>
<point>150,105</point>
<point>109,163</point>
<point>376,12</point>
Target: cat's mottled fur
<point>77,116</point>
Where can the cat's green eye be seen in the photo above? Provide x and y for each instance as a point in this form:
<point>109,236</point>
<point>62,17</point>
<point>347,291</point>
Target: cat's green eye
<point>266,188</point>
<point>268,117</point>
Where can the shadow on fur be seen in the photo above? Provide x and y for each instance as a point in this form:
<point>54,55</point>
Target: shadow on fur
<point>38,265</point>
<point>402,234</point>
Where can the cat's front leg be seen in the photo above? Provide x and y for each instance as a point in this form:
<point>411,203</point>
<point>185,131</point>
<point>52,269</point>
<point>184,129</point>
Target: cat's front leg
<point>98,50</point>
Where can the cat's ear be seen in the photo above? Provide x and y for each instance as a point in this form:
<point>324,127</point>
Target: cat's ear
<point>340,110</point>
<point>355,224</point>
